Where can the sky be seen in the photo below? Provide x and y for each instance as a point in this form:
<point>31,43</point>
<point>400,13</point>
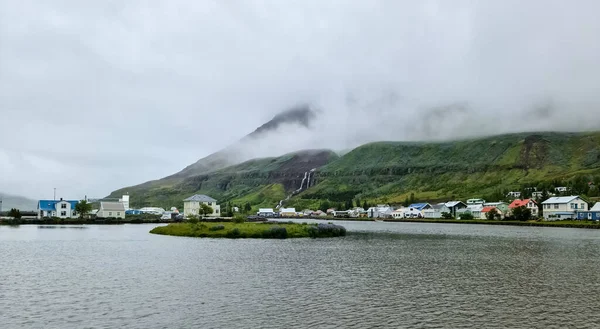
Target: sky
<point>99,95</point>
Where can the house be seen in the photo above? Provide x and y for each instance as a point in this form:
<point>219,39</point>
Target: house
<point>57,208</point>
<point>191,205</point>
<point>111,210</point>
<point>475,201</point>
<point>513,195</point>
<point>563,207</point>
<point>308,212</point>
<point>530,204</point>
<point>341,214</point>
<point>486,210</point>
<point>420,206</point>
<point>408,212</point>
<point>265,212</point>
<point>330,211</point>
<point>561,189</point>
<point>357,212</point>
<point>502,206</point>
<point>381,211</point>
<point>320,213</point>
<point>454,206</point>
<point>436,211</point>
<point>287,212</point>
<point>473,209</point>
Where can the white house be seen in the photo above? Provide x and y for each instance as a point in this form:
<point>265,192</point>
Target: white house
<point>191,205</point>
<point>287,212</point>
<point>473,209</point>
<point>436,211</point>
<point>57,208</point>
<point>408,212</point>
<point>266,212</point>
<point>152,210</point>
<point>475,201</point>
<point>454,206</point>
<point>111,210</point>
<point>563,207</point>
<point>514,194</point>
<point>381,211</point>
<point>561,189</point>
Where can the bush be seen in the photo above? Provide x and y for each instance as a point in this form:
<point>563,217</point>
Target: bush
<point>192,219</point>
<point>234,233</point>
<point>275,232</point>
<point>466,216</point>
<point>326,230</point>
<point>446,215</point>
<point>217,228</point>
<point>239,219</point>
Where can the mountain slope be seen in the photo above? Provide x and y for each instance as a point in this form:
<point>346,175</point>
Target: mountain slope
<point>390,171</point>
<point>21,203</point>
<point>262,182</point>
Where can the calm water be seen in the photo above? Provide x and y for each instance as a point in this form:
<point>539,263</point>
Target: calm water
<point>405,276</point>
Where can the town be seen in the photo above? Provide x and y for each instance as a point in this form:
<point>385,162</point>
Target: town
<point>557,206</point>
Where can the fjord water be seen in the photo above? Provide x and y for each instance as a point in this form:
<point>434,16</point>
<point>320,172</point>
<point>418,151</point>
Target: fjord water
<point>397,275</point>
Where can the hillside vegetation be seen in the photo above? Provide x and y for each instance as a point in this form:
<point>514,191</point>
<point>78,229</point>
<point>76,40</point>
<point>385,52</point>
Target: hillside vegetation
<point>260,182</point>
<point>391,171</point>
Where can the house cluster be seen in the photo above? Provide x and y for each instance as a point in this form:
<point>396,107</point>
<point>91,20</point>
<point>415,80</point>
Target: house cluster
<point>64,209</point>
<point>555,208</point>
<point>289,212</point>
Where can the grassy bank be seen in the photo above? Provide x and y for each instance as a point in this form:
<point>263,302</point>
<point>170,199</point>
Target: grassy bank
<point>563,223</point>
<point>251,230</point>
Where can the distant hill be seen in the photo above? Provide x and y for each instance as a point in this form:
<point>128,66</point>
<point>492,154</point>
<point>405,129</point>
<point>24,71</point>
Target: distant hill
<point>391,171</point>
<point>262,182</point>
<point>21,203</point>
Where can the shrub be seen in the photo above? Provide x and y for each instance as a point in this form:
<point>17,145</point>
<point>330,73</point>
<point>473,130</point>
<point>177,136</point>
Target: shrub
<point>217,228</point>
<point>239,219</point>
<point>192,219</point>
<point>326,230</point>
<point>275,232</point>
<point>446,215</point>
<point>234,233</point>
<point>466,216</point>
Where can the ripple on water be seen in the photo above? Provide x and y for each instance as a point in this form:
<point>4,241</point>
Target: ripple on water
<point>415,275</point>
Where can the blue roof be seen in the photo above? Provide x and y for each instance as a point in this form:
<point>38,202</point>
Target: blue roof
<point>49,205</point>
<point>419,206</point>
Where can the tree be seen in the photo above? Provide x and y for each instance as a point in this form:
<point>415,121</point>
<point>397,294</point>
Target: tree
<point>247,207</point>
<point>493,214</point>
<point>539,201</point>
<point>522,213</point>
<point>205,209</point>
<point>446,215</point>
<point>192,219</point>
<point>412,198</point>
<point>466,216</point>
<point>83,208</point>
<point>14,213</point>
<point>365,205</point>
<point>324,206</point>
<point>406,202</point>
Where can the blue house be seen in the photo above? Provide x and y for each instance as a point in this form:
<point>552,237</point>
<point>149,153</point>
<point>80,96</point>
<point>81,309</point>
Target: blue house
<point>420,206</point>
<point>57,208</point>
<point>588,215</point>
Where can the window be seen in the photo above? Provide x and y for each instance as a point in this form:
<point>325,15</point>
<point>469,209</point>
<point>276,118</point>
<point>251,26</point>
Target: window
<point>63,213</point>
<point>216,211</point>
<point>583,206</point>
<point>109,213</point>
<point>118,214</point>
<point>63,206</point>
<point>573,206</point>
<point>74,213</point>
<point>556,206</point>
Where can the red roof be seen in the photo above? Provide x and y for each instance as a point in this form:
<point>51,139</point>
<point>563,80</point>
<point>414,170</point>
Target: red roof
<point>487,209</point>
<point>520,203</point>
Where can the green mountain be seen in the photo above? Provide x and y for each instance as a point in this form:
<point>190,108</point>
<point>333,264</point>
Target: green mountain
<point>261,182</point>
<point>392,171</point>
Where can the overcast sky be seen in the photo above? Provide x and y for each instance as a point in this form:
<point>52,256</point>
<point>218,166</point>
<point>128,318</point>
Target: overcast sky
<point>98,95</point>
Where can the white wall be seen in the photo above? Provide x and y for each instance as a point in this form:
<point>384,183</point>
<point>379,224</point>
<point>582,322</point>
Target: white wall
<point>193,207</point>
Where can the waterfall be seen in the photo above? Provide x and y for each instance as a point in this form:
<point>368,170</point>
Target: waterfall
<point>306,179</point>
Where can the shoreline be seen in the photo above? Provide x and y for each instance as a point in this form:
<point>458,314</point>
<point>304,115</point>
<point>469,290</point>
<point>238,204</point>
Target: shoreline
<point>559,224</point>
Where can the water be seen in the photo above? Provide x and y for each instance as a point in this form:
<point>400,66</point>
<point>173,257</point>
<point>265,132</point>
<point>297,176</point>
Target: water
<point>407,276</point>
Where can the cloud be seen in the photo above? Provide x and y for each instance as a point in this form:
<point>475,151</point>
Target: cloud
<point>98,95</point>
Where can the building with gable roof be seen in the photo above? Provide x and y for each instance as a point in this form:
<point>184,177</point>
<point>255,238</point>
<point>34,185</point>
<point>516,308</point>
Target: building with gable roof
<point>530,204</point>
<point>563,207</point>
<point>191,205</point>
<point>57,208</point>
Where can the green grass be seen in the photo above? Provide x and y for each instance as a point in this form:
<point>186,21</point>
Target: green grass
<point>246,230</point>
